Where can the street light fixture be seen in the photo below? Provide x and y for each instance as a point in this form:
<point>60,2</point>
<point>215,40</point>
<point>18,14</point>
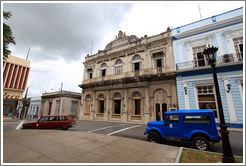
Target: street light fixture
<point>210,53</point>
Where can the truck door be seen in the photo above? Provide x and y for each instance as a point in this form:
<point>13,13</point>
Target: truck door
<point>172,127</point>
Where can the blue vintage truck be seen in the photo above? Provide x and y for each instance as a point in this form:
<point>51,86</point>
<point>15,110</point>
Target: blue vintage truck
<point>197,126</point>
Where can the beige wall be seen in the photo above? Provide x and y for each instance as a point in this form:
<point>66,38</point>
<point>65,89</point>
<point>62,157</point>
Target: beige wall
<point>65,107</point>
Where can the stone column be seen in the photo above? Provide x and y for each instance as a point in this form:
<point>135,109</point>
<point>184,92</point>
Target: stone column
<point>82,108</point>
<point>93,111</point>
<point>147,105</point>
<point>124,115</point>
<point>106,116</point>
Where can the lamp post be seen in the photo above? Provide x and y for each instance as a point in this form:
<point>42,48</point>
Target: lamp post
<point>209,52</point>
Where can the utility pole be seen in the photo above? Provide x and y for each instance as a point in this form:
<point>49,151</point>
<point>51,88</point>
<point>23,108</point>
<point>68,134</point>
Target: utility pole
<point>60,100</point>
<point>23,112</point>
<point>28,53</point>
<point>91,46</point>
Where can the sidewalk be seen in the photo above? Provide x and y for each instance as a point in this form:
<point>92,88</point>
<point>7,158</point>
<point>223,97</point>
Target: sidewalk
<point>54,146</point>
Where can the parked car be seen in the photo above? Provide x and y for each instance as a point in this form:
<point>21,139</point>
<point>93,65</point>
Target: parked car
<point>196,126</point>
<point>52,122</point>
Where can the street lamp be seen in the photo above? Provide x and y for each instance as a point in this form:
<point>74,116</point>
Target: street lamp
<point>210,53</point>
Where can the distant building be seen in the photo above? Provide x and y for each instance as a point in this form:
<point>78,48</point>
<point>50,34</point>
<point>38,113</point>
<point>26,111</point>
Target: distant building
<point>60,103</point>
<point>15,76</point>
<point>195,85</point>
<point>132,79</point>
<point>34,108</point>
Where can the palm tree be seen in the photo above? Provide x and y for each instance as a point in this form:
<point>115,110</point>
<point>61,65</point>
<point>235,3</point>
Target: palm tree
<point>7,36</point>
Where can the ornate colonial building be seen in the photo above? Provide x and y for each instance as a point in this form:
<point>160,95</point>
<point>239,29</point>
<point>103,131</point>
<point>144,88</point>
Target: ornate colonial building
<point>132,79</point>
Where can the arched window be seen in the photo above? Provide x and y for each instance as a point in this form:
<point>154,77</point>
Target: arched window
<point>118,66</point>
<point>88,97</point>
<point>136,94</point>
<point>117,95</point>
<point>136,62</point>
<point>103,69</point>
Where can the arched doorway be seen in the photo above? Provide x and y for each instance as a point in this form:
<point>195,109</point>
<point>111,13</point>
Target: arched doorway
<point>87,105</point>
<point>160,104</point>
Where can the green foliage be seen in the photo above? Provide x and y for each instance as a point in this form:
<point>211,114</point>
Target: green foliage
<point>7,36</point>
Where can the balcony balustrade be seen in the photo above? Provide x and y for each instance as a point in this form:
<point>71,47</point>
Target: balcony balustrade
<point>220,60</point>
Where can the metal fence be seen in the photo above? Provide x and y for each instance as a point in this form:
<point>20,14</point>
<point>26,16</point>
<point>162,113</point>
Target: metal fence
<point>224,59</point>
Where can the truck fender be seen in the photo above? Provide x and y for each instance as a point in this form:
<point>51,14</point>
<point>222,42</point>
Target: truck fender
<point>202,132</point>
<point>156,130</point>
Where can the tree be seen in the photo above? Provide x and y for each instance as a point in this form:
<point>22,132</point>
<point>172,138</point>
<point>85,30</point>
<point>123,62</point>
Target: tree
<point>7,36</point>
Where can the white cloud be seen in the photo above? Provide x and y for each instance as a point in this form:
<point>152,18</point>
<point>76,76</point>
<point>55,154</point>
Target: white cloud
<point>62,34</point>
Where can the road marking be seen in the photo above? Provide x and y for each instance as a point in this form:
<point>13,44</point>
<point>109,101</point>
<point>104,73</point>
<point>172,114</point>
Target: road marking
<point>123,130</point>
<point>104,128</point>
<point>20,125</point>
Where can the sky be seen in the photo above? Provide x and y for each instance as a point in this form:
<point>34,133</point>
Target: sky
<point>61,34</point>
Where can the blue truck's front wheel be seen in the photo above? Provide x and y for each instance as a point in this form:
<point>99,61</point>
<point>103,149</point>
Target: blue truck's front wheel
<point>154,137</point>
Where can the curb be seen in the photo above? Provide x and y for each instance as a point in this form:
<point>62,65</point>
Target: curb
<point>179,155</point>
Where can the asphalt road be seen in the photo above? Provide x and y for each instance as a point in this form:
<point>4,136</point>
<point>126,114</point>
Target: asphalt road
<point>136,131</point>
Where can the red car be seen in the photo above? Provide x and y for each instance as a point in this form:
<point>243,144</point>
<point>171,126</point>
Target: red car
<point>58,122</point>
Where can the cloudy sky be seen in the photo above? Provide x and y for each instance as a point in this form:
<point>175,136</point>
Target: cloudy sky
<point>61,34</point>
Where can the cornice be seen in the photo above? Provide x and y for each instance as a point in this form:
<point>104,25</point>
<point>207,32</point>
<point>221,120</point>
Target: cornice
<point>127,80</point>
<point>210,27</point>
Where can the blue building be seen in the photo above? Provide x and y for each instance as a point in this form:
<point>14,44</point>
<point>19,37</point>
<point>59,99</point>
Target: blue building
<point>34,108</point>
<point>195,86</point>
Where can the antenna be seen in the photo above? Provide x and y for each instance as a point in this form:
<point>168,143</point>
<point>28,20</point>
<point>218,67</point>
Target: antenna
<point>200,11</point>
<point>28,53</point>
<point>91,46</point>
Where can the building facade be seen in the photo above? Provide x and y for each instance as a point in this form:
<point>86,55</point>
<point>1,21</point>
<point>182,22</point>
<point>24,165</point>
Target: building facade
<point>34,108</point>
<point>132,79</point>
<point>60,103</point>
<point>195,85</point>
<point>15,76</point>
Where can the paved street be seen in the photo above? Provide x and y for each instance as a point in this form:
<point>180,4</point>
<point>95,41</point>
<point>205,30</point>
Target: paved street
<point>135,131</point>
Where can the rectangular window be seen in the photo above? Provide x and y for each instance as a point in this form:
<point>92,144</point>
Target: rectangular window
<point>90,73</point>
<point>44,119</point>
<point>137,106</point>
<point>103,72</point>
<point>62,118</point>
<point>158,59</point>
<point>159,63</point>
<point>199,58</point>
<point>238,45</point>
<point>117,105</point>
<point>136,66</point>
<point>206,99</point>
<point>118,70</point>
<point>101,106</point>
<point>172,119</point>
<point>74,108</point>
<point>196,119</point>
